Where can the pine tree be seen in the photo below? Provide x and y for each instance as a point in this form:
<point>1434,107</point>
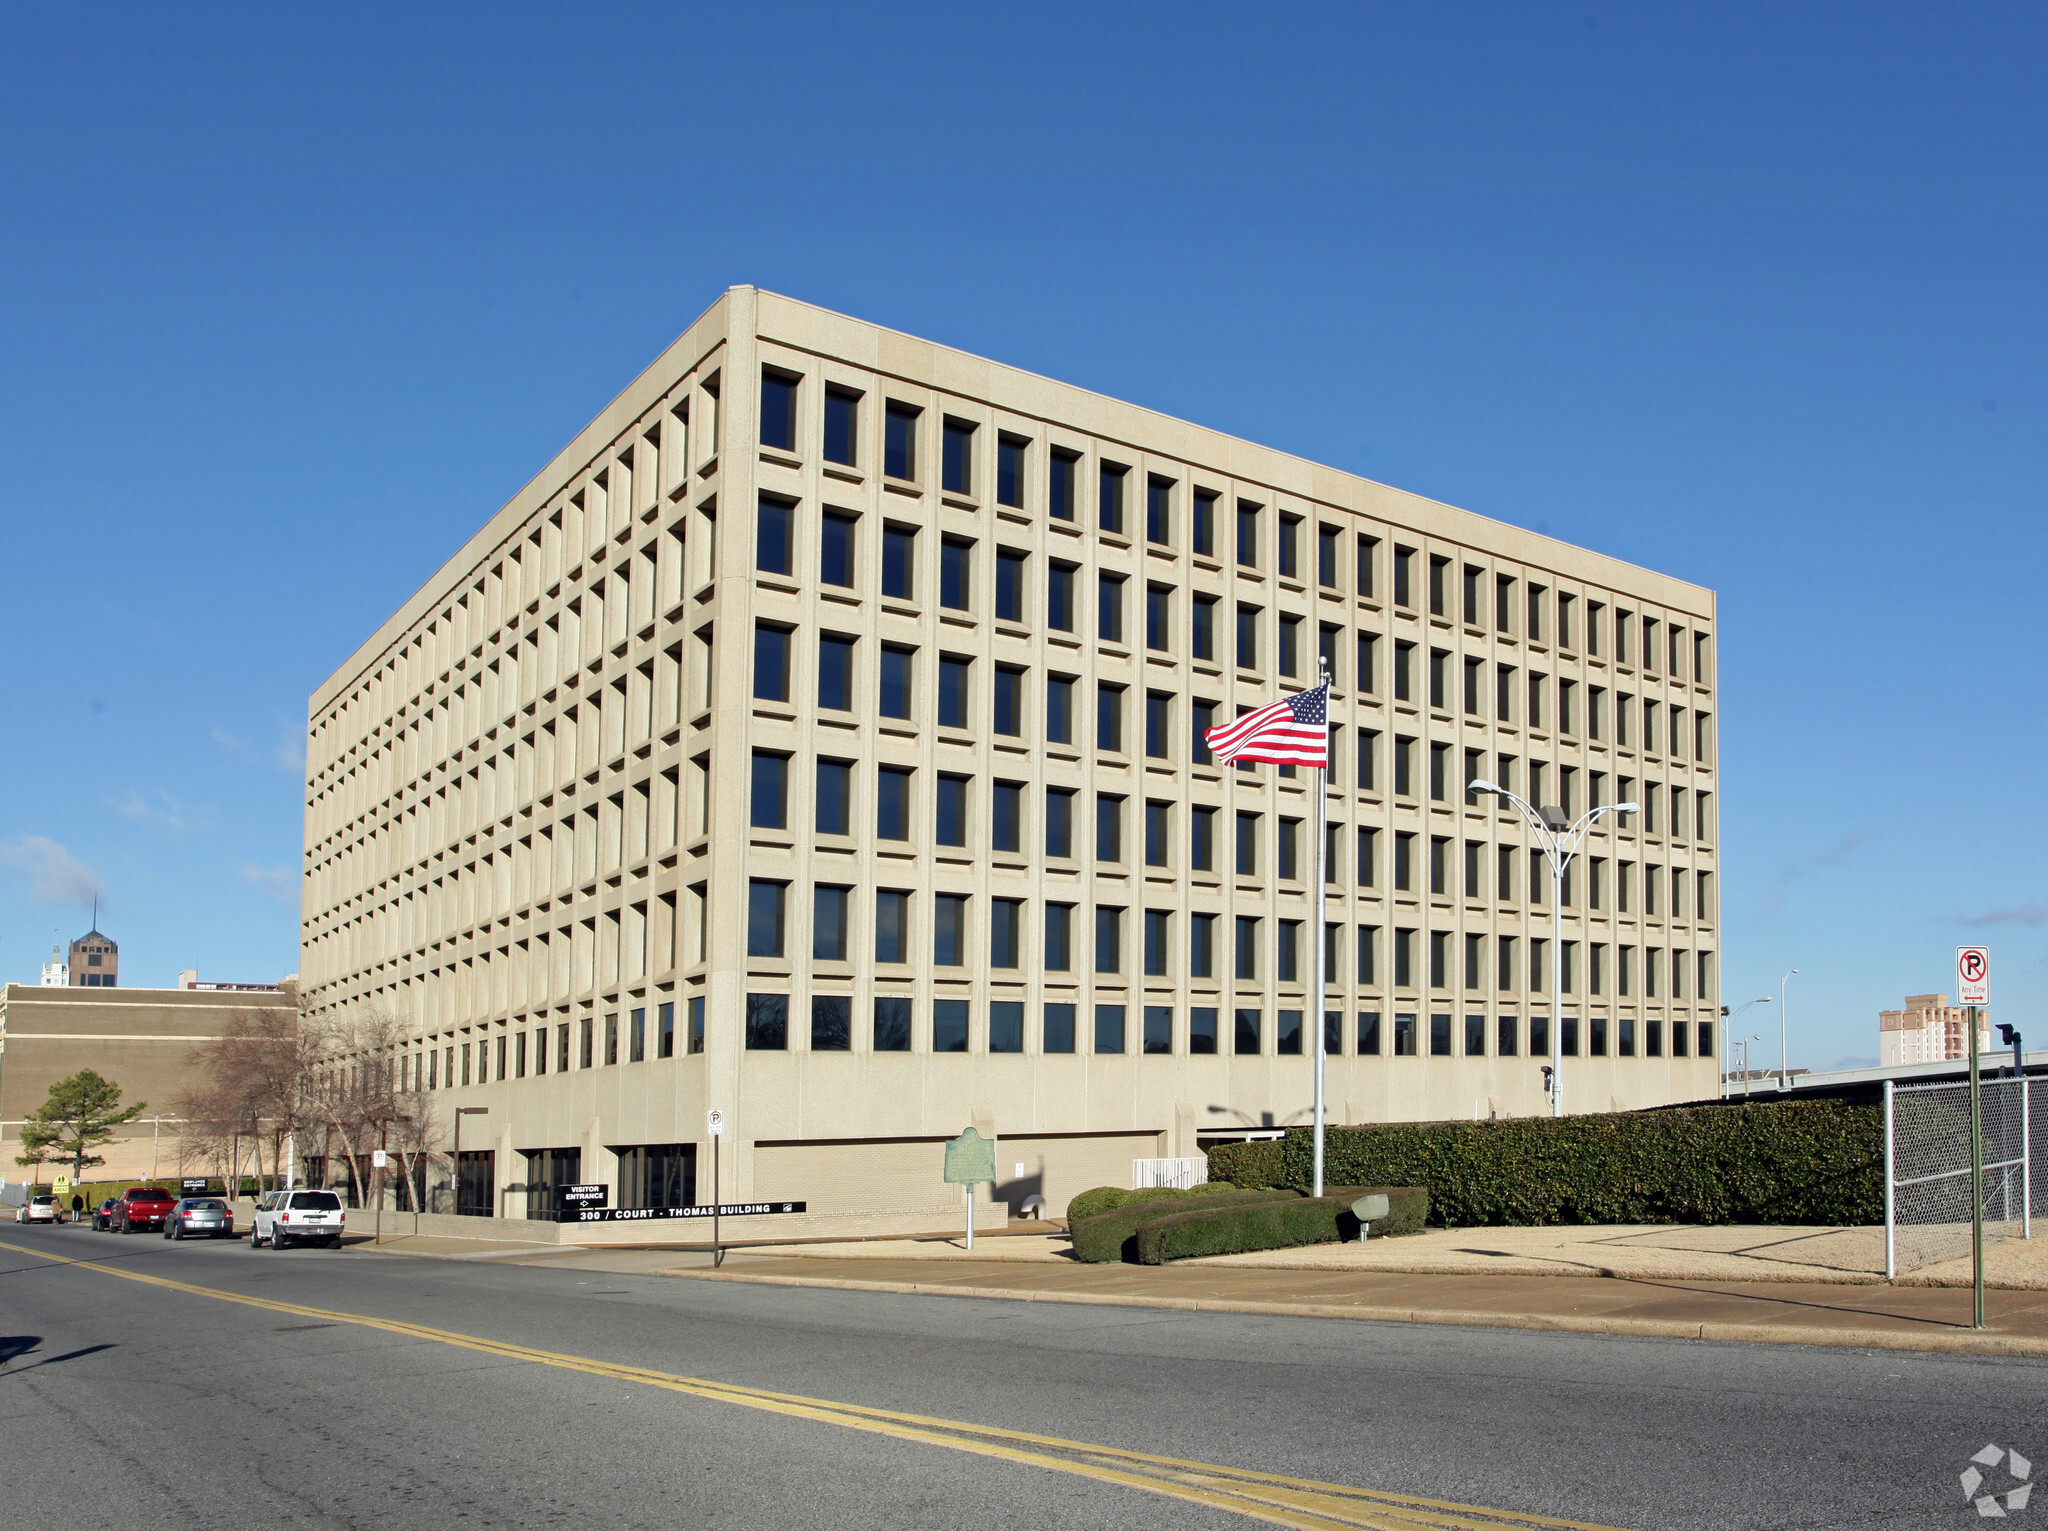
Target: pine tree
<point>80,1114</point>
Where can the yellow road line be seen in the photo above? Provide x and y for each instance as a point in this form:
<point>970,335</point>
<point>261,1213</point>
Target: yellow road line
<point>1299,1503</point>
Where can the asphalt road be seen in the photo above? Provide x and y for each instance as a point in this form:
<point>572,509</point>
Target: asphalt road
<point>129,1404</point>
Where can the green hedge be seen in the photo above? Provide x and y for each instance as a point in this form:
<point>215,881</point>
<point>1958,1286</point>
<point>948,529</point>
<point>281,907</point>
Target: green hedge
<point>1251,1165</point>
<point>1237,1230</point>
<point>1795,1162</point>
<point>1407,1207</point>
<point>1107,1237</point>
<point>1106,1198</point>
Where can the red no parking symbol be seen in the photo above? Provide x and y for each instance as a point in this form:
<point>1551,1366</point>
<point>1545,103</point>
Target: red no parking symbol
<point>1973,974</point>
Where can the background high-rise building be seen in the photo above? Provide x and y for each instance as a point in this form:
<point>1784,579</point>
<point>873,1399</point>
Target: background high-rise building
<point>1928,1030</point>
<point>819,737</point>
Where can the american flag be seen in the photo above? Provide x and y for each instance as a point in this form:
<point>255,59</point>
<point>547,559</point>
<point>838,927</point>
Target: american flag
<point>1293,731</point>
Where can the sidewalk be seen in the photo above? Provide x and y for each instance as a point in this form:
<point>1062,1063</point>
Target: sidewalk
<point>1782,1312</point>
<point>1659,1252</point>
<point>1571,1280</point>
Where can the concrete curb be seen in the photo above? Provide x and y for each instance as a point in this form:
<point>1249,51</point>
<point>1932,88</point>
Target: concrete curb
<point>1962,1343</point>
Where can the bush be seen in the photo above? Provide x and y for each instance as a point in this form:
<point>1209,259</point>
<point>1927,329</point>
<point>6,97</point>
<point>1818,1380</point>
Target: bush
<point>1106,1237</point>
<point>1790,1162</point>
<point>1105,1198</point>
<point>1407,1207</point>
<point>1237,1230</point>
<point>1255,1166</point>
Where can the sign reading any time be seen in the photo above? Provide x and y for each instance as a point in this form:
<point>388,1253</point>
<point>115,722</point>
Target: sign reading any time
<point>1973,975</point>
<point>714,1122</point>
<point>729,1209</point>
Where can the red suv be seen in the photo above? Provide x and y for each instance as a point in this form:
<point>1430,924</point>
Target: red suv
<point>141,1206</point>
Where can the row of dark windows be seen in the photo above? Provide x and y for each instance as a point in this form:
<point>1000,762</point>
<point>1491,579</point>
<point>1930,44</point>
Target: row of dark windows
<point>893,1026</point>
<point>1681,812</point>
<point>1416,857</point>
<point>1527,698</point>
<point>629,1036</point>
<point>1542,609</point>
<point>1256,941</point>
<point>953,1030</point>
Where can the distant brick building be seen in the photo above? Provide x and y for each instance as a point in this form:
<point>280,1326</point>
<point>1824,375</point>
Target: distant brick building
<point>95,962</point>
<point>1928,1030</point>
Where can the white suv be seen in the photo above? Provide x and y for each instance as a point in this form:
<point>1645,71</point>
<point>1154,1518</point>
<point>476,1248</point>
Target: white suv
<point>284,1218</point>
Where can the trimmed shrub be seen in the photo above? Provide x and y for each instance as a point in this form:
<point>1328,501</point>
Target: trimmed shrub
<point>1407,1207</point>
<point>1107,1236</point>
<point>1251,1165</point>
<point>1237,1230</point>
<point>1802,1162</point>
<point>1105,1198</point>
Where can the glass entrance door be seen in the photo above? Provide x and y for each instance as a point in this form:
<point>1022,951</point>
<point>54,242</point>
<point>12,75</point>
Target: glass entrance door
<point>547,1169</point>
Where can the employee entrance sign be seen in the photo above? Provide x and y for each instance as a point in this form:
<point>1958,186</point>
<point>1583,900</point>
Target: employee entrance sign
<point>1973,975</point>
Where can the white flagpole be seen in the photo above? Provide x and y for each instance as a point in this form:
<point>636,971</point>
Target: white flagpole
<point>1319,936</point>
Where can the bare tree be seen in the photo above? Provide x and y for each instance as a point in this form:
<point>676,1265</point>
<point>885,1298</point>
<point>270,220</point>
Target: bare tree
<point>257,1076</point>
<point>363,1095</point>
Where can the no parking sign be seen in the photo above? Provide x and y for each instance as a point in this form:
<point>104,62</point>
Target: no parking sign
<point>1973,975</point>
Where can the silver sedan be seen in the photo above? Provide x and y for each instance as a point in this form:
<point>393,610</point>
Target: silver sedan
<point>194,1216</point>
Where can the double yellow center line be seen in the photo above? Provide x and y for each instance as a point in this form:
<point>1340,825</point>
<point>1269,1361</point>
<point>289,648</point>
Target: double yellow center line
<point>1300,1503</point>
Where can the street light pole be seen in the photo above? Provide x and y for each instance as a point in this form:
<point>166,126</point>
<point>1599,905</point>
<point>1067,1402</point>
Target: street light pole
<point>1560,839</point>
<point>1728,1041</point>
<point>1784,1039</point>
<point>156,1137</point>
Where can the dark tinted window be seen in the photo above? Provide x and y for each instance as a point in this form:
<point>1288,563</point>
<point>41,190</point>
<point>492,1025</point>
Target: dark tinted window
<point>842,413</point>
<point>778,411</point>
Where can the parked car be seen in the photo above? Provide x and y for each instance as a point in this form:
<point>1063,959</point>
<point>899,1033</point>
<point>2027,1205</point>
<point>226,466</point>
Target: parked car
<point>284,1218</point>
<point>141,1206</point>
<point>38,1209</point>
<point>192,1216</point>
<point>103,1214</point>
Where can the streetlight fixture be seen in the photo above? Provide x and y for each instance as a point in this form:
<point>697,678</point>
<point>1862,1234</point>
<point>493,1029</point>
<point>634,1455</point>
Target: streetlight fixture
<point>1784,1038</point>
<point>1560,838</point>
<point>1728,1041</point>
<point>1754,1036</point>
<point>156,1137</point>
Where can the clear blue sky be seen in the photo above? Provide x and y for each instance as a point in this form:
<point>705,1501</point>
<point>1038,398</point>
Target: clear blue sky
<point>292,299</point>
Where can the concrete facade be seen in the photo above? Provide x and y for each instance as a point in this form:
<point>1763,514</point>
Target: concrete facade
<point>1928,1030</point>
<point>142,1039</point>
<point>584,790</point>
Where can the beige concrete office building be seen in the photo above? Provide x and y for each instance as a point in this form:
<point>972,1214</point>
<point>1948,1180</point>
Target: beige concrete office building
<point>817,737</point>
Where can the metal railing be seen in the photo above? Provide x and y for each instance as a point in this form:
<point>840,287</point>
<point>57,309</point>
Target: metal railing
<point>1179,1174</point>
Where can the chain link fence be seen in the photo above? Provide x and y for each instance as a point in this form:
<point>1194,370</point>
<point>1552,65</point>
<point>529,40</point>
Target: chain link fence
<point>1927,1167</point>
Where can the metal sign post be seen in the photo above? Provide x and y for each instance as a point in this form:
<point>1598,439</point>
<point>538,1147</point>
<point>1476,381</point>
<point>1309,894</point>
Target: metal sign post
<point>1976,1182</point>
<point>714,1123</point>
<point>970,1160</point>
<point>1973,978</point>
